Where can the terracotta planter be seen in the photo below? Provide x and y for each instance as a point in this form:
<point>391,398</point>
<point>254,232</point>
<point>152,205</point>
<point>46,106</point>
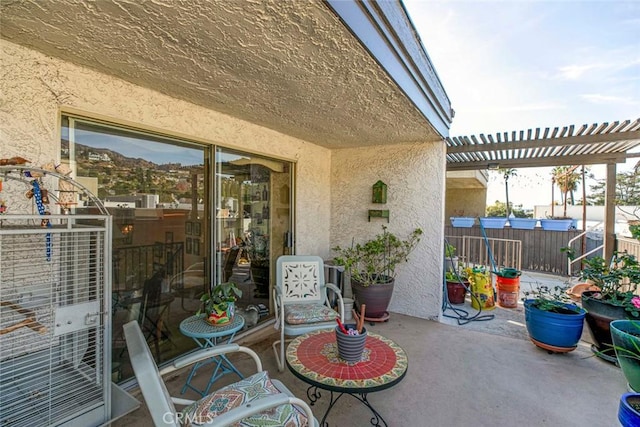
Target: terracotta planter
<point>575,292</point>
<point>377,297</point>
<point>456,292</point>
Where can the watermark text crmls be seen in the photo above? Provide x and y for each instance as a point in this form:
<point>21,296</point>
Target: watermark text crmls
<point>181,419</point>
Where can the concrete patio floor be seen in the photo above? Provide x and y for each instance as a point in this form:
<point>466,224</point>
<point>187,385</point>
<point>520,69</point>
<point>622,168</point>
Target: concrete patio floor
<point>483,373</point>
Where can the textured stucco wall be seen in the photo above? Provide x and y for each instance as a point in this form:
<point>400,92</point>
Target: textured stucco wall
<point>292,66</point>
<point>414,175</point>
<point>465,202</point>
<point>36,88</point>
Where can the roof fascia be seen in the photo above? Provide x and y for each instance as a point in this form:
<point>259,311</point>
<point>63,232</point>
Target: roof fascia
<point>415,75</point>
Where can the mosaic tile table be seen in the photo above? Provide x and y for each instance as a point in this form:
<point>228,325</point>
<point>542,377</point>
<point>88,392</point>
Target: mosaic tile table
<point>314,359</point>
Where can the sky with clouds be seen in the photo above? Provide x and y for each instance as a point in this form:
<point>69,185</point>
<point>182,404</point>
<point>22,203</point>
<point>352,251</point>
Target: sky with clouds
<point>515,65</point>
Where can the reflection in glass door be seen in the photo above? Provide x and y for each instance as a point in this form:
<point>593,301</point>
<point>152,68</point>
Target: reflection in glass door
<point>252,226</point>
<point>156,189</point>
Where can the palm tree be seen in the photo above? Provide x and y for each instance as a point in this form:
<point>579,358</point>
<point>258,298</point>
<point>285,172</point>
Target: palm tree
<point>566,178</point>
<point>506,174</point>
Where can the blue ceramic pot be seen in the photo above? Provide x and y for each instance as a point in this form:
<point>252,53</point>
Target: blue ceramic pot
<point>628,415</point>
<point>554,329</point>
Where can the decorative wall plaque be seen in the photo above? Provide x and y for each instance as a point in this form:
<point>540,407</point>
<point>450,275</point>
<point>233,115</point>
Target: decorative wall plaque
<point>378,213</point>
<point>379,192</point>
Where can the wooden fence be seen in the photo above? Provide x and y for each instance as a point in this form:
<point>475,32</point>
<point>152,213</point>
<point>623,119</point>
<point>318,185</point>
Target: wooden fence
<point>629,245</point>
<point>540,248</point>
<point>505,253</point>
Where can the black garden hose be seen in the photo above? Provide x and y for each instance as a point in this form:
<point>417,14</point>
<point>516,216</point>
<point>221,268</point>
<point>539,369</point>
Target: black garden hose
<point>461,315</point>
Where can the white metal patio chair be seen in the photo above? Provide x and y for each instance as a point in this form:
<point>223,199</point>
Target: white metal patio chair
<point>301,299</point>
<point>254,401</point>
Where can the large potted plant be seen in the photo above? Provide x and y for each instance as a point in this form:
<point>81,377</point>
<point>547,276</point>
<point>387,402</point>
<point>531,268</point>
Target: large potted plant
<point>554,322</point>
<point>615,300</point>
<point>372,268</point>
<point>218,305</point>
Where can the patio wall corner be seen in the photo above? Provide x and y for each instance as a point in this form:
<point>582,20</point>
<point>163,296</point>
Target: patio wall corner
<point>414,174</point>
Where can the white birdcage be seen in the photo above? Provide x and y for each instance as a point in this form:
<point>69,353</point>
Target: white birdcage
<point>55,338</point>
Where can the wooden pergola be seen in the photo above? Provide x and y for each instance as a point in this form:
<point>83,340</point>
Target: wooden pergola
<point>606,143</point>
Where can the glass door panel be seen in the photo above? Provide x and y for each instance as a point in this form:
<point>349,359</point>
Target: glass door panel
<point>252,226</point>
<point>156,189</point>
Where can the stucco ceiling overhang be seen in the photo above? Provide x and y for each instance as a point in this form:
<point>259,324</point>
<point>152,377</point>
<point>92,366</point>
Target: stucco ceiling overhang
<point>605,143</point>
<point>293,66</point>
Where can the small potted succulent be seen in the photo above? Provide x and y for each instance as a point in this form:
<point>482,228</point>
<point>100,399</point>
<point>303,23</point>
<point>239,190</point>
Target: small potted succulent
<point>219,305</point>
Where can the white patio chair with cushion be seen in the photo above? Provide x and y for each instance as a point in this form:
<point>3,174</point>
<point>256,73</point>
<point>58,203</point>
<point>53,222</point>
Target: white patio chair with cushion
<point>301,299</point>
<point>254,401</point>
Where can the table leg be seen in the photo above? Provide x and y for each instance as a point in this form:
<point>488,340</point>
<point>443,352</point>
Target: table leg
<point>223,367</point>
<point>222,364</point>
<point>377,418</point>
<point>187,384</point>
<point>313,394</point>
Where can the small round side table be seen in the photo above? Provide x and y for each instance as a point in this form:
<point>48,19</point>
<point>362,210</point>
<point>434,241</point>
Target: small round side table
<point>207,335</point>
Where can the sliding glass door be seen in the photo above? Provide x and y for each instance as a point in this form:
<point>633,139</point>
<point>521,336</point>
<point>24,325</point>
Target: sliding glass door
<point>178,227</point>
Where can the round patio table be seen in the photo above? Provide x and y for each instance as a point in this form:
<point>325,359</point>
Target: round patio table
<point>314,359</point>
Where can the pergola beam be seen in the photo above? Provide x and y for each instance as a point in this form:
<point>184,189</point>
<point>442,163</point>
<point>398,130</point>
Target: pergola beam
<point>632,136</point>
<point>525,162</point>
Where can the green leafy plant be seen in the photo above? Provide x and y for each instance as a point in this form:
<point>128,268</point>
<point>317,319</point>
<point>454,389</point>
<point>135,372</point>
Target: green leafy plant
<point>571,253</point>
<point>617,280</point>
<point>554,299</point>
<point>460,275</point>
<point>594,269</point>
<point>449,250</point>
<point>375,260</point>
<point>220,296</point>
